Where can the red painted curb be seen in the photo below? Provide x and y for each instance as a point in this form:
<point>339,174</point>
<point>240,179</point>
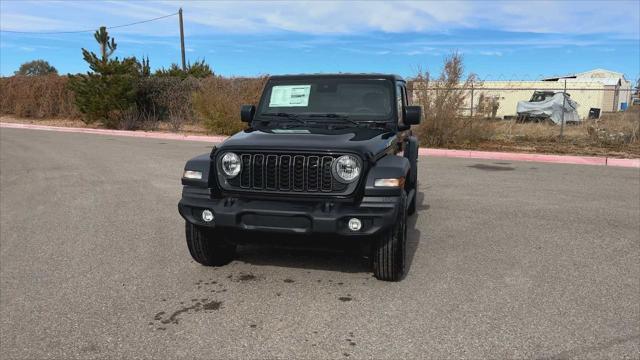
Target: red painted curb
<point>128,133</point>
<point>467,154</point>
<point>546,158</point>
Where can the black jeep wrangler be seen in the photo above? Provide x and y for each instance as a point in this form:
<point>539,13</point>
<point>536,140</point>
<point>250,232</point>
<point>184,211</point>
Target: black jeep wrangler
<point>322,154</point>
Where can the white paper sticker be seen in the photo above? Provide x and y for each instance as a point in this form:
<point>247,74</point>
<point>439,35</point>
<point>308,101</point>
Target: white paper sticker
<point>289,95</point>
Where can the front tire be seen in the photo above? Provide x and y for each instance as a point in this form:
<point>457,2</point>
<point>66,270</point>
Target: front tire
<point>208,246</point>
<point>390,248</point>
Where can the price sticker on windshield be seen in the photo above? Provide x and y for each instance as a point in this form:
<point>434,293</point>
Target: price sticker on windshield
<point>289,95</point>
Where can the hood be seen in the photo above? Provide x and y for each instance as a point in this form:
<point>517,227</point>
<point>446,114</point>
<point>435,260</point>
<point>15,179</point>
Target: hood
<point>367,142</point>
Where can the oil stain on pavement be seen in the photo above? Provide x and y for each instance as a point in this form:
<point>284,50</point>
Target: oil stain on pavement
<point>197,304</point>
<point>486,167</point>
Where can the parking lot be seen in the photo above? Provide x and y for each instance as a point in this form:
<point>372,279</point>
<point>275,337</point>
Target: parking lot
<point>507,260</point>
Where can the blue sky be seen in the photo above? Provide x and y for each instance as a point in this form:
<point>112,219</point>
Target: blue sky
<point>499,39</point>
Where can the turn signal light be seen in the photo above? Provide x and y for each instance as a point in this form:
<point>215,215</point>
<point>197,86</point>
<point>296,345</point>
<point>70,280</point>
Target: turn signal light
<point>191,174</point>
<point>396,182</point>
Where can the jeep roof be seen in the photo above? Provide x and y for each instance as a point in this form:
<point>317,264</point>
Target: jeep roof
<point>392,77</point>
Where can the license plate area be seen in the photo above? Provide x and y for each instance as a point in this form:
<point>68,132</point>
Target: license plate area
<point>289,223</point>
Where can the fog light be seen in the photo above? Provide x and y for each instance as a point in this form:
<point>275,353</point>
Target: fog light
<point>207,215</point>
<point>355,224</point>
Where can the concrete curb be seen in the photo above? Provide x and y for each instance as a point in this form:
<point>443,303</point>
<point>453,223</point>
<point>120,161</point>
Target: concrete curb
<point>466,154</point>
<point>128,133</point>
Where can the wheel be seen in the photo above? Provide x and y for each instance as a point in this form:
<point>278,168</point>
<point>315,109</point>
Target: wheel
<point>390,250</point>
<point>208,246</point>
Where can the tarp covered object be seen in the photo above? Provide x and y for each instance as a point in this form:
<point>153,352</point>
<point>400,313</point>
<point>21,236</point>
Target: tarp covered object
<point>551,107</point>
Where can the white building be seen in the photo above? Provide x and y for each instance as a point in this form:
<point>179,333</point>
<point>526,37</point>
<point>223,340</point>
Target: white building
<point>617,89</point>
<point>596,89</point>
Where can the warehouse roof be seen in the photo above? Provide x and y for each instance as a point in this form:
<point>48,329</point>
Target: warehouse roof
<point>604,76</point>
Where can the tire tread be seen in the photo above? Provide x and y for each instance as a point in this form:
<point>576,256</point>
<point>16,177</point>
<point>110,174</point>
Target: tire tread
<point>205,248</point>
<point>388,253</point>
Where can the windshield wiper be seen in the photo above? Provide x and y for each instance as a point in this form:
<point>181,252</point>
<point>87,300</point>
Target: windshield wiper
<point>343,118</point>
<point>289,116</point>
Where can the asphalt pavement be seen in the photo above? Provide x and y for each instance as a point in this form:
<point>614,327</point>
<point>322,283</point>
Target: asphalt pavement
<point>507,260</point>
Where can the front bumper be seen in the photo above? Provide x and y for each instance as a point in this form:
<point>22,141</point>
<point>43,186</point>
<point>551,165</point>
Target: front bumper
<point>297,217</point>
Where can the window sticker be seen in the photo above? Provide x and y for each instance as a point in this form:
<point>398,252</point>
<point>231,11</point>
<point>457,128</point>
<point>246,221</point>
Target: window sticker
<point>289,95</point>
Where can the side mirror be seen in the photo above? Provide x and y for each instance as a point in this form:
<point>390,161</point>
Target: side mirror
<point>412,115</point>
<point>247,112</point>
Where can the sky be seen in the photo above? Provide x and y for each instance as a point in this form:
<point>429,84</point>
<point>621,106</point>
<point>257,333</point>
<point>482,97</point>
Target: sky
<point>499,40</point>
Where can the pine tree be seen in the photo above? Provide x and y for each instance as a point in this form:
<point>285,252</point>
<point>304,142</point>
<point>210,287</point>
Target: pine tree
<point>109,89</point>
<point>199,69</point>
<point>106,48</point>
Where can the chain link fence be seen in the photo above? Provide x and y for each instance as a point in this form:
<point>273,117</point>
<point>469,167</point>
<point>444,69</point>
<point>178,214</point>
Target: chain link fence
<point>588,112</point>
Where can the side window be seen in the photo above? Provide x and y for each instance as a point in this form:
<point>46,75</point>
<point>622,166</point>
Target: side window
<point>400,101</point>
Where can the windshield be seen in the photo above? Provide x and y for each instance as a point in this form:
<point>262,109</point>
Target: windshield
<point>324,99</point>
<point>541,96</point>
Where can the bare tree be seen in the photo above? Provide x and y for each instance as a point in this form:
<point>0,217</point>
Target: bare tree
<point>442,102</point>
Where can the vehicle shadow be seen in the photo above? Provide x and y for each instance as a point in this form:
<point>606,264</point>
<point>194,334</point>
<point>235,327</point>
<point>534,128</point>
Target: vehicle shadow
<point>318,254</point>
<point>414,236</point>
<point>331,253</point>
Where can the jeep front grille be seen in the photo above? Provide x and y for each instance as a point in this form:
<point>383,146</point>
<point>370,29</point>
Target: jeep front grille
<point>294,173</point>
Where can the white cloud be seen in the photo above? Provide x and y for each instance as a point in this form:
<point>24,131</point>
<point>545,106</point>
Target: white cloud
<point>491,53</point>
<point>570,17</point>
<point>620,18</point>
<point>23,22</point>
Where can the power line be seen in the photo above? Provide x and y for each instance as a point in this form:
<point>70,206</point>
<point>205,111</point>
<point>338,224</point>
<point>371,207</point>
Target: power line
<point>83,31</point>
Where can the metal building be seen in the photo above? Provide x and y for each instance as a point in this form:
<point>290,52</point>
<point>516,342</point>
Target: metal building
<point>598,89</point>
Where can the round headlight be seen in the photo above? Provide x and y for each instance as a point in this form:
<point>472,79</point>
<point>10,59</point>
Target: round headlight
<point>230,164</point>
<point>346,168</point>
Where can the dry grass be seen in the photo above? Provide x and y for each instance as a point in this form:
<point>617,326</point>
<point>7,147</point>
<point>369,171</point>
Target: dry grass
<point>37,97</point>
<point>613,135</point>
<point>217,102</point>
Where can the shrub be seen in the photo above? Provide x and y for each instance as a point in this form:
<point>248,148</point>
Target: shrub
<point>199,69</point>
<point>167,99</point>
<point>104,98</point>
<point>442,102</point>
<point>218,100</point>
<point>37,97</point>
<point>108,91</point>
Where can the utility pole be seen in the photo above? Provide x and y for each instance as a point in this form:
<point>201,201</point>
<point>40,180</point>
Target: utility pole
<point>184,65</point>
<point>564,101</point>
<point>472,99</point>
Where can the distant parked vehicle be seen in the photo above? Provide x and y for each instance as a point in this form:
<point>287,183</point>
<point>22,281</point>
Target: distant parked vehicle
<point>548,106</point>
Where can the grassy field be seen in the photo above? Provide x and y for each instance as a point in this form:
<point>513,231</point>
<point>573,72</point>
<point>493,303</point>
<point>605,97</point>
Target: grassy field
<point>616,134</point>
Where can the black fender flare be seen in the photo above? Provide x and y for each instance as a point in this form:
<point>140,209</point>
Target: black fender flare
<point>411,153</point>
<point>202,163</point>
<point>388,167</point>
